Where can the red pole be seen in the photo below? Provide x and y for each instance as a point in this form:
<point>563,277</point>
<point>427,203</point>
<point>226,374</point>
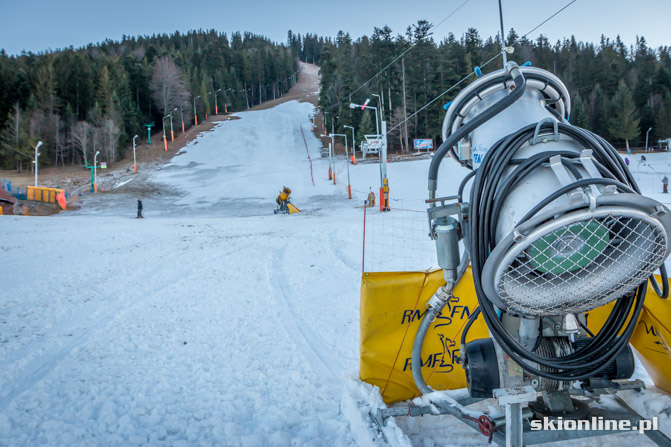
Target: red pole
<point>182,126</point>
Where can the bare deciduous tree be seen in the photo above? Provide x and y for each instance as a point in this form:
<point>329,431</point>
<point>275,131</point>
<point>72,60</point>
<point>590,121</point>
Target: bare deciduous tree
<point>80,137</point>
<point>167,86</point>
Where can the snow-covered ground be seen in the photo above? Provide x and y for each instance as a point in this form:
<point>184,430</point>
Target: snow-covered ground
<point>212,321</point>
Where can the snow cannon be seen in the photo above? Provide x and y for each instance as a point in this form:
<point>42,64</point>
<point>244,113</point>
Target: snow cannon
<point>284,204</point>
<point>555,226</point>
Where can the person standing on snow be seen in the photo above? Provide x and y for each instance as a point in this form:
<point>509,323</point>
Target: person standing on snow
<point>139,209</point>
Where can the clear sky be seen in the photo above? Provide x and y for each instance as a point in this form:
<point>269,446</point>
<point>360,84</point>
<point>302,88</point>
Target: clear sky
<point>38,25</point>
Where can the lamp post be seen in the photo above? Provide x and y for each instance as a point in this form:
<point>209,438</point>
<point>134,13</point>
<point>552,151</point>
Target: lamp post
<point>172,132</point>
<point>195,113</point>
<point>181,113</point>
<point>95,171</point>
<point>165,139</point>
<point>646,139</point>
<point>324,123</point>
<point>134,160</point>
<point>331,166</point>
<point>349,186</point>
<point>216,107</point>
<point>37,155</point>
<point>353,142</point>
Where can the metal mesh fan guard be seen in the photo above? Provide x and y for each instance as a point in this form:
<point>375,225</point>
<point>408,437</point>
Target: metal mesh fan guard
<point>580,261</point>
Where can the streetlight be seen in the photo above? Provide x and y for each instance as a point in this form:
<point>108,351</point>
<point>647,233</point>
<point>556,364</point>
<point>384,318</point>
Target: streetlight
<point>165,139</point>
<point>216,108</point>
<point>349,187</point>
<point>37,155</point>
<point>646,139</point>
<point>95,171</point>
<point>172,133</point>
<point>324,123</point>
<point>353,141</point>
<point>331,166</point>
<point>195,113</point>
<point>181,113</point>
<point>134,161</point>
<point>366,106</point>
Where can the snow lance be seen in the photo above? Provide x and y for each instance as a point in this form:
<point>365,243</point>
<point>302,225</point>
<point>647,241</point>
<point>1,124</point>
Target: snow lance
<point>554,227</point>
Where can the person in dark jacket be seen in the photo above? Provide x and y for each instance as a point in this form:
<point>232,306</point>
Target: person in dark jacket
<point>139,209</point>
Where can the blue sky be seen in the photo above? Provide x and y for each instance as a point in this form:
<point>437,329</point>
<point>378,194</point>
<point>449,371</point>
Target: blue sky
<point>39,25</point>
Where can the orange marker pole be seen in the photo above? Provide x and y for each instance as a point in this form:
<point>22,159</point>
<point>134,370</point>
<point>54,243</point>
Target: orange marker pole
<point>196,118</point>
<point>182,126</point>
<point>172,135</point>
<point>216,110</point>
<point>381,199</point>
<point>165,142</point>
<point>134,168</point>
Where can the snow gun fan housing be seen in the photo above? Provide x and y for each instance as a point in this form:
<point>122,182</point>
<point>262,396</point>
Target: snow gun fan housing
<point>284,204</point>
<point>555,227</point>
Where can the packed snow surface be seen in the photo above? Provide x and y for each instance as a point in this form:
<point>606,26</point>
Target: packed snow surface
<point>213,321</point>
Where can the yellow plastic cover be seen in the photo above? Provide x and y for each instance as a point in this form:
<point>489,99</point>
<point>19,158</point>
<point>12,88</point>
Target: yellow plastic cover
<point>392,305</point>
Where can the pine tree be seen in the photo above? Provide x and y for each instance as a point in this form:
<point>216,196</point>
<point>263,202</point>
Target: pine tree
<point>663,118</point>
<point>580,115</point>
<point>624,122</point>
<point>366,126</point>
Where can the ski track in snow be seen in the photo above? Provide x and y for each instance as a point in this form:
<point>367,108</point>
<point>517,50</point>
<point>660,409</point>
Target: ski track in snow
<point>213,321</point>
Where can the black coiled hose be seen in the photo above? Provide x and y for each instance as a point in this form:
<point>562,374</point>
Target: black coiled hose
<point>492,183</point>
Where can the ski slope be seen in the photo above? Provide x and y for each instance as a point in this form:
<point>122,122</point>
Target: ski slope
<point>212,321</point>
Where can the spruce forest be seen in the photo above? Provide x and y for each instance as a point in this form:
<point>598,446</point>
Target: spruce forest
<point>80,101</point>
<point>617,91</point>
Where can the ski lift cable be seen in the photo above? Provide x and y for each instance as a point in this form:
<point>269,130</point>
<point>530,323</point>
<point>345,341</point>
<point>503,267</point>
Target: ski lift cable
<point>547,20</point>
<point>462,80</point>
<point>7,146</point>
<point>400,55</point>
<point>480,67</point>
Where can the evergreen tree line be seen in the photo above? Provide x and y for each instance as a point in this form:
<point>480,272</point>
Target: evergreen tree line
<point>79,101</point>
<point>617,91</point>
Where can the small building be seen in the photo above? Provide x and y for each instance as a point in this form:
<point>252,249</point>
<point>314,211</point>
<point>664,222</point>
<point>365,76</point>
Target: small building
<point>7,202</point>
